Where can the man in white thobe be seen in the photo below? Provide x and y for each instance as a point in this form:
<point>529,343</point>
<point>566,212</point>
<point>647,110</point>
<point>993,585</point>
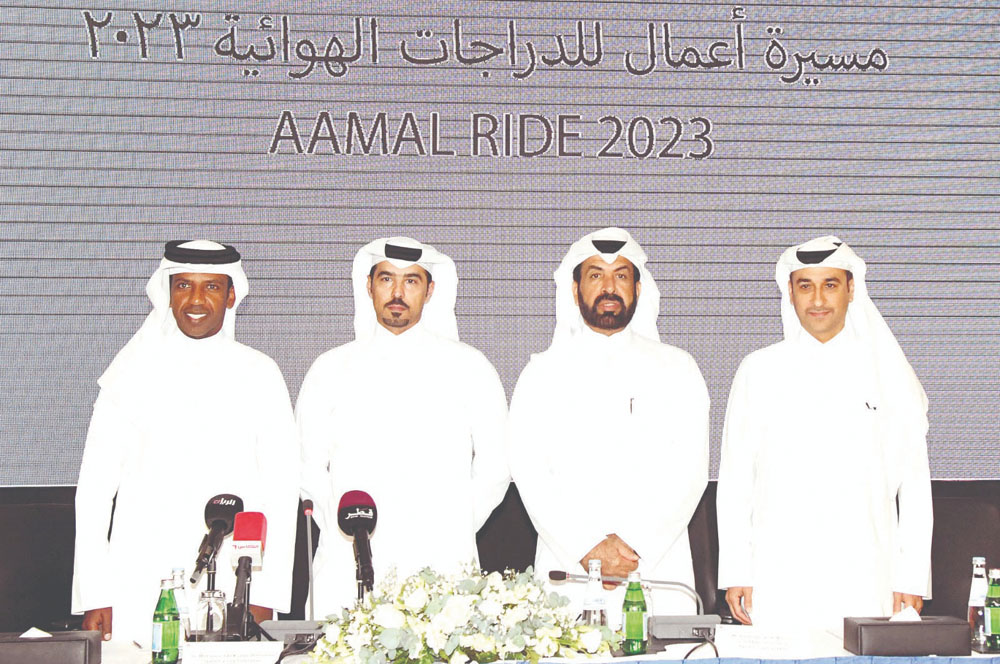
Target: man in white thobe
<point>406,413</point>
<point>608,440</point>
<point>824,432</point>
<point>185,413</point>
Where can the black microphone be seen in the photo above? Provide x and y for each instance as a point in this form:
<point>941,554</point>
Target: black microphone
<point>356,517</point>
<point>220,514</point>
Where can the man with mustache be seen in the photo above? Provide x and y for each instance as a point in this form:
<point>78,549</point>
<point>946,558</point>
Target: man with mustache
<point>406,413</point>
<point>825,435</point>
<point>185,412</point>
<point>608,440</point>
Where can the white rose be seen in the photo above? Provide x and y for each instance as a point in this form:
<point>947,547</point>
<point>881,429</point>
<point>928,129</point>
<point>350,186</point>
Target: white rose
<point>458,657</point>
<point>513,615</point>
<point>458,609</point>
<point>416,600</point>
<point>590,640</point>
<point>355,641</point>
<point>546,647</point>
<point>436,638</point>
<point>548,632</point>
<point>483,643</point>
<point>388,616</point>
<point>479,642</point>
<point>490,608</point>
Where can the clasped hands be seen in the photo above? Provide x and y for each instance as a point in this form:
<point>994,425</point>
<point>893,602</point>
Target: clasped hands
<point>617,558</point>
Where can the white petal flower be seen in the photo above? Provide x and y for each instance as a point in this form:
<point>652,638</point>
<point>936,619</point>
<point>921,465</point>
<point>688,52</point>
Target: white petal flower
<point>546,647</point>
<point>388,616</point>
<point>490,608</point>
<point>436,638</point>
<point>591,640</point>
<point>458,657</point>
<point>415,600</point>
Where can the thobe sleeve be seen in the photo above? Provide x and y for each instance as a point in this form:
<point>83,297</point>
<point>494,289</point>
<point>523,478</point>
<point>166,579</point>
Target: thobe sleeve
<point>490,473</point>
<point>912,558</point>
<point>311,416</point>
<point>552,499</point>
<point>278,468</point>
<point>734,499</point>
<point>100,473</point>
<point>672,478</point>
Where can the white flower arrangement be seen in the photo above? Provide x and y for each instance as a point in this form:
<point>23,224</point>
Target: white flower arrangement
<point>466,617</point>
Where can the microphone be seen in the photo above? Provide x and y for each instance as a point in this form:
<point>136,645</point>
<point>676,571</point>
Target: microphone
<point>356,516</point>
<point>220,512</point>
<point>249,534</point>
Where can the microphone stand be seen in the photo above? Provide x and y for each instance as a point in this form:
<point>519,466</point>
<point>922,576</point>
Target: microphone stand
<point>210,585</point>
<point>307,508</point>
<point>240,622</point>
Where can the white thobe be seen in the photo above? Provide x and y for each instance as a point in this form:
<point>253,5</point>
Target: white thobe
<point>416,421</point>
<point>609,434</point>
<point>226,427</point>
<point>812,462</point>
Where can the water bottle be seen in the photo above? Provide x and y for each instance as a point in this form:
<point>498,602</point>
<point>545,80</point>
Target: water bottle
<point>977,602</point>
<point>183,608</point>
<point>992,617</point>
<point>166,625</point>
<point>594,609</point>
<point>634,617</point>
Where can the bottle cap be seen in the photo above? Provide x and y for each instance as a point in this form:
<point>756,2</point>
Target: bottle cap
<point>594,564</point>
<point>633,577</point>
<point>995,574</point>
<point>978,560</point>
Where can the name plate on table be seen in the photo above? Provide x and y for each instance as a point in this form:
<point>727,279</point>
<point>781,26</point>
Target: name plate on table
<point>232,652</point>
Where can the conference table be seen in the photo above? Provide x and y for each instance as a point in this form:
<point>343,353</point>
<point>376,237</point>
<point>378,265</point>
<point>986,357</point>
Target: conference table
<point>736,645</point>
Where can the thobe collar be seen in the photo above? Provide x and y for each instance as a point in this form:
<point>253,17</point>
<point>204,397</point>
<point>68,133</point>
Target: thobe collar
<point>843,341</point>
<point>416,334</point>
<point>590,338</point>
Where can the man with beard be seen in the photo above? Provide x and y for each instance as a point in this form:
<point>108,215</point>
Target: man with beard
<point>608,429</point>
<point>406,413</point>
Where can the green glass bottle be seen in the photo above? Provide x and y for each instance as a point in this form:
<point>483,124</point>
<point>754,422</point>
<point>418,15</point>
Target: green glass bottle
<point>166,625</point>
<point>634,617</point>
<point>992,609</point>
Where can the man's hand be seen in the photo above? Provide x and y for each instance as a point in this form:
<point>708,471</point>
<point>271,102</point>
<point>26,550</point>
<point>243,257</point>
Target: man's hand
<point>740,601</point>
<point>901,600</point>
<point>617,558</point>
<point>98,620</point>
<point>261,613</point>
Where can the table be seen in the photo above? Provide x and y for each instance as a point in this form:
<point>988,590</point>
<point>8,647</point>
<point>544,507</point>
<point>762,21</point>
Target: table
<point>737,645</point>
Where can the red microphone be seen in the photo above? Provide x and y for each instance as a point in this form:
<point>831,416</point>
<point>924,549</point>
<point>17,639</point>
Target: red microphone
<point>249,535</point>
<point>356,516</point>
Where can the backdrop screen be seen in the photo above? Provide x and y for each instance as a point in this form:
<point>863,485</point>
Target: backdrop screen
<point>499,131</point>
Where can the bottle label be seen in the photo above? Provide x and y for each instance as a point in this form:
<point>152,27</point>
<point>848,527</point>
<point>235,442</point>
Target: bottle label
<point>157,637</point>
<point>635,625</point>
<point>992,620</point>
<point>977,592</point>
